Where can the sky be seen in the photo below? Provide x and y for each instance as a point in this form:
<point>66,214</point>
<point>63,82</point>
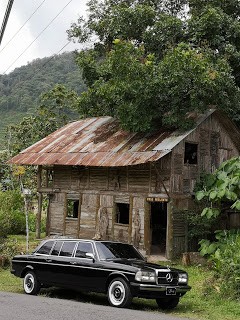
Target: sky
<point>49,42</point>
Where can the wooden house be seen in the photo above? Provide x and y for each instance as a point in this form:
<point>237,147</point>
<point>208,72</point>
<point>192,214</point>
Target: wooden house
<point>103,182</point>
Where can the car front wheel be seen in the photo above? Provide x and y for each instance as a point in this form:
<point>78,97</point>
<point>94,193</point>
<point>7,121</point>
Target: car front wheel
<point>119,294</point>
<point>30,283</point>
<point>167,303</point>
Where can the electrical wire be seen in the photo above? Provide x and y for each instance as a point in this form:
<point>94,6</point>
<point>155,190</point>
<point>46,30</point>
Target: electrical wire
<point>37,36</point>
<point>42,66</point>
<point>23,25</point>
<point>52,57</point>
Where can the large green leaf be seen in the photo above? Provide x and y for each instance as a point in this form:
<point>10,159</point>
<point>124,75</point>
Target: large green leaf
<point>200,195</point>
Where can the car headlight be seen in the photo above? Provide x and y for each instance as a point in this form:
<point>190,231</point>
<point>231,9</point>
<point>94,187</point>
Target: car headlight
<point>145,276</point>
<point>183,278</point>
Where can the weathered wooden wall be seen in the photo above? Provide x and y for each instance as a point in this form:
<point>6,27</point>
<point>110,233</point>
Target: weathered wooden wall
<point>214,147</point>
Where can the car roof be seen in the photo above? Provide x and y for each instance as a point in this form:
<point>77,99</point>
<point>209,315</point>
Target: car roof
<point>77,239</point>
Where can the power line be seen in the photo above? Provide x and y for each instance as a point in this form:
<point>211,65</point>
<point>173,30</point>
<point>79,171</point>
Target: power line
<point>51,58</point>
<point>37,36</point>
<point>5,19</point>
<point>22,26</point>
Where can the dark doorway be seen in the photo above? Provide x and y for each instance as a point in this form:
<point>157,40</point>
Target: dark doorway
<point>158,227</point>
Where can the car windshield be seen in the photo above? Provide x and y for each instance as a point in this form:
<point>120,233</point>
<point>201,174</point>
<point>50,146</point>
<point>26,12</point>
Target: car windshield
<point>114,250</point>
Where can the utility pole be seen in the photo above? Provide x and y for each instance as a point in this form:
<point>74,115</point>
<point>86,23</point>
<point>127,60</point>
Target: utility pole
<point>5,19</point>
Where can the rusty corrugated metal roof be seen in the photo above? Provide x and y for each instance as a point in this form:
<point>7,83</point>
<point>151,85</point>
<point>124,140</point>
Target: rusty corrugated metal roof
<point>94,142</point>
<point>100,142</point>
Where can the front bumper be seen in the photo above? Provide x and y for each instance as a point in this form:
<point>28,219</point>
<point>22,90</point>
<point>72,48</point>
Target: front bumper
<point>153,291</point>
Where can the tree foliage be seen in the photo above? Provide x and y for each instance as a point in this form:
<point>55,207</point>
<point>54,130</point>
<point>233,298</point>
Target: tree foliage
<point>11,213</point>
<point>143,92</point>
<point>20,90</point>
<point>221,189</point>
<point>57,108</point>
<point>151,64</point>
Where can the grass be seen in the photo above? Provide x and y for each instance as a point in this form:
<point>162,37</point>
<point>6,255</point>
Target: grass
<point>21,241</point>
<point>199,303</point>
<point>9,282</point>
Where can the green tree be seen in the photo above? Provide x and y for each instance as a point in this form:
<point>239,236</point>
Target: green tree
<point>57,108</point>
<point>150,64</point>
<point>20,90</point>
<point>143,92</point>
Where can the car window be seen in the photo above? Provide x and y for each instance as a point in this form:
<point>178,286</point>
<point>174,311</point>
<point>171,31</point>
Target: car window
<point>67,248</point>
<point>83,248</point>
<point>115,250</point>
<point>45,248</point>
<point>56,248</point>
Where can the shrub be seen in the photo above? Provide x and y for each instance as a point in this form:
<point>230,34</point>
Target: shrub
<point>225,257</point>
<point>8,249</point>
<point>12,218</point>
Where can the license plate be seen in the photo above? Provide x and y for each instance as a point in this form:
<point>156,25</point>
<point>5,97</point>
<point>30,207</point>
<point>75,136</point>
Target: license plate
<point>170,291</point>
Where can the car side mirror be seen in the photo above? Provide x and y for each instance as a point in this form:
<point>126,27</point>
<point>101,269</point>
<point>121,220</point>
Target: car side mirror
<point>90,256</point>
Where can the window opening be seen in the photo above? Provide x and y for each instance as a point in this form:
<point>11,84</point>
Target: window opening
<point>122,213</point>
<point>49,178</point>
<point>72,208</point>
<point>67,249</point>
<point>191,150</point>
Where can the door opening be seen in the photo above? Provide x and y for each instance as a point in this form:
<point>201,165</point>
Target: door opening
<point>158,227</point>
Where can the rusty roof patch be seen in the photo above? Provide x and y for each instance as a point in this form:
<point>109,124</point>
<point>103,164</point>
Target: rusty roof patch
<point>101,142</point>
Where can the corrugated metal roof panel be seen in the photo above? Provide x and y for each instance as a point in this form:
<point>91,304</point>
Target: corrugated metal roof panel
<point>101,142</point>
<point>99,159</point>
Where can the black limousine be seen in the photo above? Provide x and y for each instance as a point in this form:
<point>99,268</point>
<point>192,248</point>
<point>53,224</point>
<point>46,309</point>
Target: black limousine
<point>115,268</point>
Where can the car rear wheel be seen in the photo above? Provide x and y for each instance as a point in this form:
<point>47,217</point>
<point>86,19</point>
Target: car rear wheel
<point>167,303</point>
<point>30,283</point>
<point>119,294</point>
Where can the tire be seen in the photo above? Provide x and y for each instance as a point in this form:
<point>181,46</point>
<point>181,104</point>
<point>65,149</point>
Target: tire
<point>167,303</point>
<point>119,294</point>
<point>30,283</point>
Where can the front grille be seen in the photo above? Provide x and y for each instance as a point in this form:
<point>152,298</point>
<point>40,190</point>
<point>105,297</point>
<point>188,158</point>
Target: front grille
<point>167,278</point>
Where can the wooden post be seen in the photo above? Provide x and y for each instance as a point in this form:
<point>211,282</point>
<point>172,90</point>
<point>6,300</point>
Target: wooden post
<point>39,215</point>
<point>40,199</point>
<point>113,217</point>
<point>39,178</point>
<point>169,242</point>
<point>96,214</point>
<point>147,235</point>
<point>130,219</point>
<point>48,222</point>
<point>79,215</point>
<point>65,213</point>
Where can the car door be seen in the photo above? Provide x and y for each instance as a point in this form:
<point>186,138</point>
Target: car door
<point>61,262</point>
<point>85,271</point>
<point>41,261</point>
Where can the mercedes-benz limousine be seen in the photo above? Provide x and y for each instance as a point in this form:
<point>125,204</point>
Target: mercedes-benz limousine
<point>117,269</point>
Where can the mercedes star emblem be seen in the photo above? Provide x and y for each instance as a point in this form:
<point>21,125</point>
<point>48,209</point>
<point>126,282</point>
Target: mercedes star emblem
<point>169,277</point>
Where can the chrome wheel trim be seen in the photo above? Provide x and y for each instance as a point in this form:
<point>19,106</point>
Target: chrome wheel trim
<point>117,293</point>
<point>29,283</point>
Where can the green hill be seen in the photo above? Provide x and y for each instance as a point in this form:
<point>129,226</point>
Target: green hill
<point>20,90</point>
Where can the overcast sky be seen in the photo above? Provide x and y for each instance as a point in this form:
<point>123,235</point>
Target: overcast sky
<point>51,40</point>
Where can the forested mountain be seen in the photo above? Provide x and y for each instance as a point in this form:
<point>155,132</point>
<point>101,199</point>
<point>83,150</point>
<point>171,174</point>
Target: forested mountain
<point>21,89</point>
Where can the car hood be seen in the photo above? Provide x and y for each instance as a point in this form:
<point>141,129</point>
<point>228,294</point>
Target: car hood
<point>140,264</point>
